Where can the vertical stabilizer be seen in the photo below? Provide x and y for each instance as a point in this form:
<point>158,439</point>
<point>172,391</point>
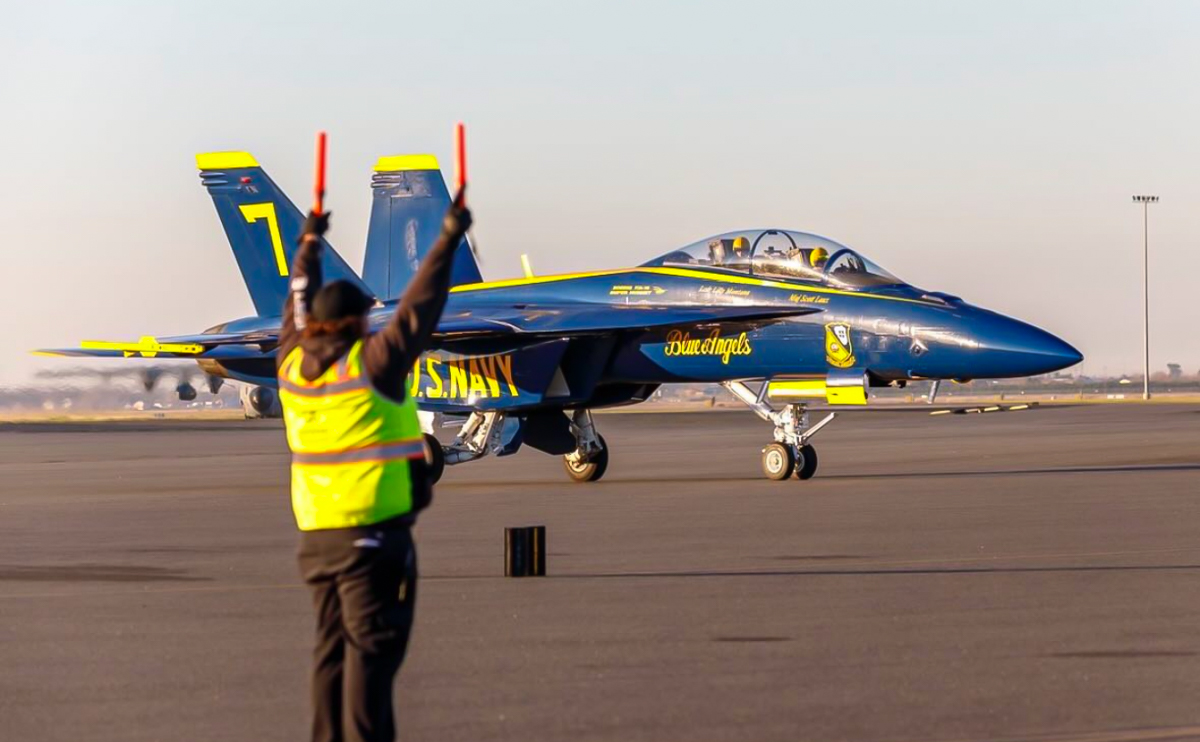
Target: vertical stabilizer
<point>262,225</point>
<point>409,201</point>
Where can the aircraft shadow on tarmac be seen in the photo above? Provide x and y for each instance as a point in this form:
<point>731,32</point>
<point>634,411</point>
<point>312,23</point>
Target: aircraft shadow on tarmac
<point>923,474</point>
<point>1046,470</point>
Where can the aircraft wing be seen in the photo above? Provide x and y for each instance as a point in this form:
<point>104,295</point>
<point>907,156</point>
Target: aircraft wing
<point>587,319</point>
<point>526,320</point>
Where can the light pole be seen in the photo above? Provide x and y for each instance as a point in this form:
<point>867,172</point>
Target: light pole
<point>1145,201</point>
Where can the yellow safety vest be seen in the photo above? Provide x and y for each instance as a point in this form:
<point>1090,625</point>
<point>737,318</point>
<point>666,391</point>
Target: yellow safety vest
<point>350,445</point>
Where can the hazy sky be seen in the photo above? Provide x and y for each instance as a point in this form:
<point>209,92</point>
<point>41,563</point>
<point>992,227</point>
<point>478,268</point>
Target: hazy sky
<point>987,150</point>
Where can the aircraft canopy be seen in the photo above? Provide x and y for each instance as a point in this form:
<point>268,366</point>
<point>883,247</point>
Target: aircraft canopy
<point>782,254</point>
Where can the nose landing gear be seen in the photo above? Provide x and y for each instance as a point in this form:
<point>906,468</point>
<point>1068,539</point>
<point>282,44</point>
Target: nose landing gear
<point>791,454</point>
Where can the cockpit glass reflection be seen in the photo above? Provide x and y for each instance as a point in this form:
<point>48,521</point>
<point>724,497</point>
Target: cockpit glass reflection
<point>852,270</point>
<point>784,255</point>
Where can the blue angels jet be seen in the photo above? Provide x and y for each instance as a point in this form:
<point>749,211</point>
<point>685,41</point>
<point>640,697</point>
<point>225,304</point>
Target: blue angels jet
<point>781,318</point>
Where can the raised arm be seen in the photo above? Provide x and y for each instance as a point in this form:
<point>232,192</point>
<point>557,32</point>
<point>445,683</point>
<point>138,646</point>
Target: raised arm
<point>306,280</point>
<point>390,353</point>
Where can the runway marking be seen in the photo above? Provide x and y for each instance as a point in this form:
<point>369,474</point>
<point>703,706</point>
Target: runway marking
<point>851,569</point>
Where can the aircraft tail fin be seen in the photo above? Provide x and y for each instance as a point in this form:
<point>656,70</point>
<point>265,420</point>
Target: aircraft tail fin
<point>262,225</point>
<point>409,201</point>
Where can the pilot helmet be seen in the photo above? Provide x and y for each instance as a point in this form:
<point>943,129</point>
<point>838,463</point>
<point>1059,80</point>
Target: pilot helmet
<point>741,246</point>
<point>817,257</point>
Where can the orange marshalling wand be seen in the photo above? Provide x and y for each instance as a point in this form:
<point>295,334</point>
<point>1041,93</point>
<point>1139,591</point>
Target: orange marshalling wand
<point>460,156</point>
<point>319,177</point>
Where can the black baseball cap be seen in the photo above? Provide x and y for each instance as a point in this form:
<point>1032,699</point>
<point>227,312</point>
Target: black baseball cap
<point>339,299</point>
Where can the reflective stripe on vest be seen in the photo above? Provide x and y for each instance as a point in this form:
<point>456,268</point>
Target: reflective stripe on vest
<point>351,446</point>
<point>324,390</point>
<point>384,452</point>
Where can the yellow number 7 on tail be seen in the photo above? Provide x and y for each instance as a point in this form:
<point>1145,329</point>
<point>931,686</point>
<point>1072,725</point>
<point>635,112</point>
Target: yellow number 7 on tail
<point>254,212</point>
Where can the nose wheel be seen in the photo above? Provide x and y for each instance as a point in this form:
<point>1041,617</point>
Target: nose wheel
<point>781,461</point>
<point>806,462</point>
<point>778,461</point>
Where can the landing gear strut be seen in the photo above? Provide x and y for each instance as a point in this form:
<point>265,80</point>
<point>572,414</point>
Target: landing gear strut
<point>791,454</point>
<point>589,460</point>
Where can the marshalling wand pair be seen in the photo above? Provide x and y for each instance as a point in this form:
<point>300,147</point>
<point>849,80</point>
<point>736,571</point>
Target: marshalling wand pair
<point>460,167</point>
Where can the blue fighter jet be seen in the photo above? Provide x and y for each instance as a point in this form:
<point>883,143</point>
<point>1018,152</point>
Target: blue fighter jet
<point>780,318</point>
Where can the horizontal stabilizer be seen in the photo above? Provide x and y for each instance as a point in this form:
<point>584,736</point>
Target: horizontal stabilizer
<point>182,346</point>
<point>147,347</point>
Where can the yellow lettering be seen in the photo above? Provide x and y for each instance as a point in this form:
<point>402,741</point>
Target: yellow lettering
<point>478,388</point>
<point>504,363</point>
<point>435,391</point>
<point>458,379</point>
<point>415,385</point>
<point>488,367</point>
<point>254,212</point>
<point>673,338</point>
<point>679,343</point>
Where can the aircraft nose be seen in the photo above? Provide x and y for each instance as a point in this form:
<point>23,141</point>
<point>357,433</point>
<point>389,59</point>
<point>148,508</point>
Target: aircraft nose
<point>1020,349</point>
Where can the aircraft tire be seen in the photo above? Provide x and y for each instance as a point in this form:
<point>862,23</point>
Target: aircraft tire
<point>435,458</point>
<point>589,471</point>
<point>778,461</point>
<point>806,465</point>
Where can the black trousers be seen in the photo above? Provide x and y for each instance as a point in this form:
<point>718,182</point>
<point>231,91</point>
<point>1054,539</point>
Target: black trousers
<point>364,587</point>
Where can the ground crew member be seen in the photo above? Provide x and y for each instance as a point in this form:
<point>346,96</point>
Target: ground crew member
<point>358,474</point>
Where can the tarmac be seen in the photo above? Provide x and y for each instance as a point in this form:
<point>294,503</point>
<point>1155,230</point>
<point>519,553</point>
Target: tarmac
<point>1014,576</point>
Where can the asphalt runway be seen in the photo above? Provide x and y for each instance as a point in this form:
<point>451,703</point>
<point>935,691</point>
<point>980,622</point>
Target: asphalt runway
<point>1018,576</point>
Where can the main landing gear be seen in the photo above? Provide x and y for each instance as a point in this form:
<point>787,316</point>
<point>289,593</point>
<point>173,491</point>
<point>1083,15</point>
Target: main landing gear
<point>481,434</point>
<point>791,454</point>
<point>589,460</point>
<point>485,433</point>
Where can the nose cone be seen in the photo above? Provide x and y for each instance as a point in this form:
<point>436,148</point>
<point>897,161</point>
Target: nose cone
<point>1010,348</point>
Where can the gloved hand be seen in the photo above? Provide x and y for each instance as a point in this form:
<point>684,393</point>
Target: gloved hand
<point>315,224</point>
<point>458,216</point>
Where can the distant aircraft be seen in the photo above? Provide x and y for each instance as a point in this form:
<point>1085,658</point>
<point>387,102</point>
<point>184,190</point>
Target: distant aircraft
<point>781,318</point>
<point>149,376</point>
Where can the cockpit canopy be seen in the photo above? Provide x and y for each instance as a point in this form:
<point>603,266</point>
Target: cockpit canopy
<point>781,254</point>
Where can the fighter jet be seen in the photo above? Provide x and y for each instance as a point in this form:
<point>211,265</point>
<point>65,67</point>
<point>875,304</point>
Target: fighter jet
<point>782,318</point>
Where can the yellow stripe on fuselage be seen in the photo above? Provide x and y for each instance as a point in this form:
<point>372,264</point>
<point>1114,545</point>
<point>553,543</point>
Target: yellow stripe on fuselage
<point>680,273</point>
